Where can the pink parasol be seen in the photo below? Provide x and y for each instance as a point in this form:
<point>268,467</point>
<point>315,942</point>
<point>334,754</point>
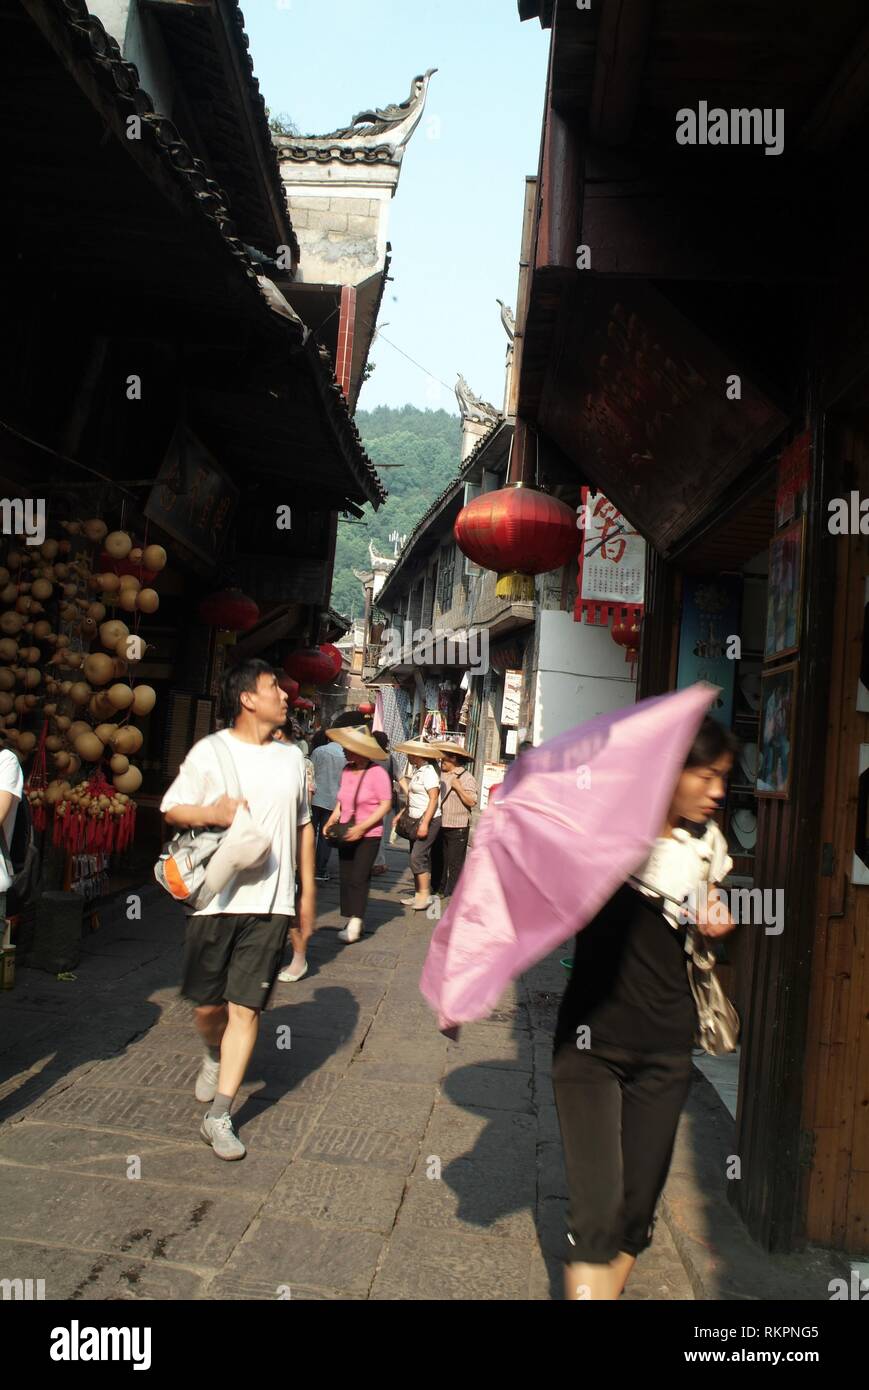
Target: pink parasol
<point>575,817</point>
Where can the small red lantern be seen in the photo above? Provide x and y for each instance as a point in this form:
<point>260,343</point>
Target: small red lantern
<point>518,532</point>
<point>301,703</point>
<point>289,686</point>
<point>627,635</point>
<point>367,708</point>
<point>312,665</point>
<point>229,609</point>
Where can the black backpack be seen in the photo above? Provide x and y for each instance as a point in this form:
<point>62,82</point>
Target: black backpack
<point>22,862</point>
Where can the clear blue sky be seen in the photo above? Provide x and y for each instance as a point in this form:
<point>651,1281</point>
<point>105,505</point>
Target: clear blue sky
<point>456,219</point>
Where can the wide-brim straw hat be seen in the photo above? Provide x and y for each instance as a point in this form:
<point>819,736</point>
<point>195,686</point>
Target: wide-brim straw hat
<point>455,750</point>
<point>419,749</point>
<point>357,738</point>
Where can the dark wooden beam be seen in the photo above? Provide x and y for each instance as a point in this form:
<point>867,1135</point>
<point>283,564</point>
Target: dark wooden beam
<point>844,103</point>
<point>561,192</point>
<point>622,44</point>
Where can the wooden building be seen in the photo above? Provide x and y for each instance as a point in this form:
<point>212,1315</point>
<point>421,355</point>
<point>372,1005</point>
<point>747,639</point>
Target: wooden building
<point>697,344</point>
<point>152,373</point>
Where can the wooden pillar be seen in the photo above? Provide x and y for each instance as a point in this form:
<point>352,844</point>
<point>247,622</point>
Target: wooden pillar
<point>346,332</point>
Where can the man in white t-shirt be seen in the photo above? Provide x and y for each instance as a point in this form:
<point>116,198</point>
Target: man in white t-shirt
<point>11,792</point>
<point>233,947</point>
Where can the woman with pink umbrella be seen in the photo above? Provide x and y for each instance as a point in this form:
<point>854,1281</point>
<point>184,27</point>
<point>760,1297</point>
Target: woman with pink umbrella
<point>626,1028</point>
<point>582,839</point>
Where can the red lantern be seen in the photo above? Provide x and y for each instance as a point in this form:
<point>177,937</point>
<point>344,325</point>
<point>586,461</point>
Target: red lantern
<point>518,532</point>
<point>328,649</point>
<point>229,609</point>
<point>627,635</point>
<point>367,708</point>
<point>312,665</point>
<point>289,686</point>
<point>301,703</point>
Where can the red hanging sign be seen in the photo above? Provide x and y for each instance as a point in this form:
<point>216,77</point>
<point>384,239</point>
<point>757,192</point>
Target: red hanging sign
<point>612,564</point>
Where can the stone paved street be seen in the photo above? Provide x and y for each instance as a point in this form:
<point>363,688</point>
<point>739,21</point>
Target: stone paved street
<point>347,1130</point>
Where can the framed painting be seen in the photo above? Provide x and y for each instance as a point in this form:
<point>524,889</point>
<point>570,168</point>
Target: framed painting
<point>775,752</point>
<point>784,592</point>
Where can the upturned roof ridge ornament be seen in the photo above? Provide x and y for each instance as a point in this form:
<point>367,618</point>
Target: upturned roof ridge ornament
<point>508,319</point>
<point>473,407</point>
<point>377,132</point>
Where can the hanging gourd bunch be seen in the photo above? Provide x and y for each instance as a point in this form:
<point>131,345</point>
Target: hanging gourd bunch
<point>68,667</point>
<point>32,578</point>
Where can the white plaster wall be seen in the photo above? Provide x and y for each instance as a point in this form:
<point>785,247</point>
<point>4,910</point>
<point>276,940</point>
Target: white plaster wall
<point>341,232</point>
<point>581,672</point>
<point>140,43</point>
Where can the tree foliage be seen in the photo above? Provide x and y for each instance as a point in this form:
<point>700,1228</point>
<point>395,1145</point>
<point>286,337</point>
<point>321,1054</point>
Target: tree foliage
<point>427,443</point>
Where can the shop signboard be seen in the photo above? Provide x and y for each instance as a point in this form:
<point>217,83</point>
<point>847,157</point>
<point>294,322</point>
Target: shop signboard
<point>192,499</point>
<point>794,473</point>
<point>512,700</point>
<point>493,775</point>
<point>710,616</point>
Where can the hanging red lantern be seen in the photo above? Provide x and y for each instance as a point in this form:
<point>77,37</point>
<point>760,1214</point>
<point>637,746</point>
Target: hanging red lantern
<point>289,686</point>
<point>229,609</point>
<point>330,650</point>
<point>301,703</point>
<point>627,634</point>
<point>312,665</point>
<point>518,532</point>
<point>366,708</point>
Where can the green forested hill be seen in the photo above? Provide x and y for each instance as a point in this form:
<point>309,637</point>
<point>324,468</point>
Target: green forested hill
<point>427,443</point>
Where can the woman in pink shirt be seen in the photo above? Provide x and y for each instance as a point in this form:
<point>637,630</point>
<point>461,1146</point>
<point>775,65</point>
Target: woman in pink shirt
<point>356,824</point>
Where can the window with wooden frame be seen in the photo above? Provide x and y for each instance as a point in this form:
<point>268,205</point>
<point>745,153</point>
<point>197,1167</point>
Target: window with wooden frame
<point>446,577</point>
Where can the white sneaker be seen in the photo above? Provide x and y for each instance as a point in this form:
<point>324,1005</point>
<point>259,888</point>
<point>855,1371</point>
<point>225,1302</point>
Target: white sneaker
<point>288,978</point>
<point>350,934</point>
<point>221,1135</point>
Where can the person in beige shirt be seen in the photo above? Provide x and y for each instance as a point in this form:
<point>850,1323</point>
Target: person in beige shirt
<point>458,798</point>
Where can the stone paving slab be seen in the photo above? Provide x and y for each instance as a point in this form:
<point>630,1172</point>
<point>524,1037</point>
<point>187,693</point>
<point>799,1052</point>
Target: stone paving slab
<point>330,1193</point>
<point>118,1215</point>
<point>490,1088</point>
<point>238,1288</point>
<point>103,1153</point>
<point>465,1199</point>
<point>399,1107</point>
<point>298,1252</point>
<point>73,1274</point>
<point>363,1146</point>
<point>435,1265</point>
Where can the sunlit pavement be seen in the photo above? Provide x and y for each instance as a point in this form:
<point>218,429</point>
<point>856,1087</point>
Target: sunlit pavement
<point>383,1161</point>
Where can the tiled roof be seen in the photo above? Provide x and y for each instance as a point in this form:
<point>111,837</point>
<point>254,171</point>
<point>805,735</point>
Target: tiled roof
<point>209,52</point>
<point>376,136</point>
<point>265,133</point>
<point>343,422</point>
<point>121,79</point>
<point>100,52</point>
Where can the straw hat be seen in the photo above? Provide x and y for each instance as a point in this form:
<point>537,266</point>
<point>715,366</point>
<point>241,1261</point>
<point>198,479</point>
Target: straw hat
<point>418,748</point>
<point>454,750</point>
<point>357,738</point>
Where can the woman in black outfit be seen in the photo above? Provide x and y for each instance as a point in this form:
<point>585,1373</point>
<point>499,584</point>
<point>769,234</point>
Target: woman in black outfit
<point>626,1028</point>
